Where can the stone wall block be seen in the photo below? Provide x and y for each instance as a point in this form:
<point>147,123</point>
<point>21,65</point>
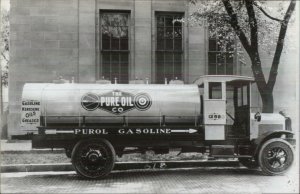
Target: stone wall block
<point>68,44</point>
<point>20,28</point>
<point>17,11</point>
<point>44,27</point>
<point>68,28</point>
<point>33,36</point>
<point>44,44</point>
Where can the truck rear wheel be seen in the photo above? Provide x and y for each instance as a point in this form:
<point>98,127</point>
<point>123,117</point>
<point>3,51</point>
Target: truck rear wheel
<point>93,158</point>
<point>275,156</point>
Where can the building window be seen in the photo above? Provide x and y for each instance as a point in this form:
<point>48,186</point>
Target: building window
<point>115,46</point>
<point>220,60</point>
<point>169,48</point>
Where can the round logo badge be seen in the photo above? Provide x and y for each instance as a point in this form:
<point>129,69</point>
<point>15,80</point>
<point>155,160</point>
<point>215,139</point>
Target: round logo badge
<point>90,101</point>
<point>142,101</point>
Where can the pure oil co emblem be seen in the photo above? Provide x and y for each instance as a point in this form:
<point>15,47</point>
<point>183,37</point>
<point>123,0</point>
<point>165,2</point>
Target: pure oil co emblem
<point>116,102</point>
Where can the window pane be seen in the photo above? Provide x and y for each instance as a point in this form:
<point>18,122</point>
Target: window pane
<point>124,44</point>
<point>212,57</point>
<point>115,19</point>
<point>124,68</point>
<point>169,44</point>
<point>229,68</point>
<point>178,44</point>
<point>160,33</point>
<point>160,44</point>
<point>215,90</point>
<point>124,58</point>
<point>178,32</point>
<point>169,21</point>
<point>114,66</point>
<point>106,65</point>
<point>212,68</point>
<point>160,67</point>
<point>219,46</point>
<point>160,21</point>
<point>105,32</point>
<point>220,69</point>
<point>229,58</point>
<point>177,65</point>
<point>123,19</point>
<point>220,58</point>
<point>160,58</point>
<point>105,19</point>
<point>115,44</point>
<point>123,32</point>
<point>169,65</point>
<point>169,32</point>
<point>240,97</point>
<point>177,23</point>
<point>245,92</point>
<point>105,44</point>
<point>115,32</point>
<point>169,58</point>
<point>230,46</point>
<point>212,45</point>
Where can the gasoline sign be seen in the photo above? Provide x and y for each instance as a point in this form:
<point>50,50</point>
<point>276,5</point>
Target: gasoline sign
<point>30,112</point>
<point>116,102</point>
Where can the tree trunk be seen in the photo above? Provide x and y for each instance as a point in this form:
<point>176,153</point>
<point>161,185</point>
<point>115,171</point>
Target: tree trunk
<point>266,93</point>
<point>268,102</point>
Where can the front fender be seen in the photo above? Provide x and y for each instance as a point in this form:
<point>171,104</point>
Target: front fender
<point>269,135</point>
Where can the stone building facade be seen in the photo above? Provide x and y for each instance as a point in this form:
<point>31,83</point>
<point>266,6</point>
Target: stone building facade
<point>122,40</point>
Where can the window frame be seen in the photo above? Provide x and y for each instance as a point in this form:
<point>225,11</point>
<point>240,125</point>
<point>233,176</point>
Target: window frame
<point>233,52</point>
<point>100,50</point>
<point>165,51</point>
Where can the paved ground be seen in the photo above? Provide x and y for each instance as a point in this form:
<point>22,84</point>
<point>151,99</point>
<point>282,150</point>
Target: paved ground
<point>200,180</point>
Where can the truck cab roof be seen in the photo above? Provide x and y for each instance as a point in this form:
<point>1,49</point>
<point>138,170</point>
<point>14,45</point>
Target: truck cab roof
<point>223,78</point>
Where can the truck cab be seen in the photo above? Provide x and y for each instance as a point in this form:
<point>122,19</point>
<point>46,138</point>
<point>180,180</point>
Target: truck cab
<point>230,127</point>
<point>226,101</point>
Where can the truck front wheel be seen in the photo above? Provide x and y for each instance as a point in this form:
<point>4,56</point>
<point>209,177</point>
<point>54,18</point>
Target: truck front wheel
<point>93,158</point>
<point>275,156</point>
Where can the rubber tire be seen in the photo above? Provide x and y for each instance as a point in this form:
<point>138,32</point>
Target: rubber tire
<point>276,142</point>
<point>249,163</point>
<point>111,155</point>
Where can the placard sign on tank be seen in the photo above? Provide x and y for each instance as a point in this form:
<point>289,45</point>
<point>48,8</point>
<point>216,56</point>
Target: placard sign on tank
<point>30,112</point>
<point>116,102</point>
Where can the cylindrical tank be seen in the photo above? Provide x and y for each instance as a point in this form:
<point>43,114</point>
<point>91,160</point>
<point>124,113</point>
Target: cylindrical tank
<point>73,104</point>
